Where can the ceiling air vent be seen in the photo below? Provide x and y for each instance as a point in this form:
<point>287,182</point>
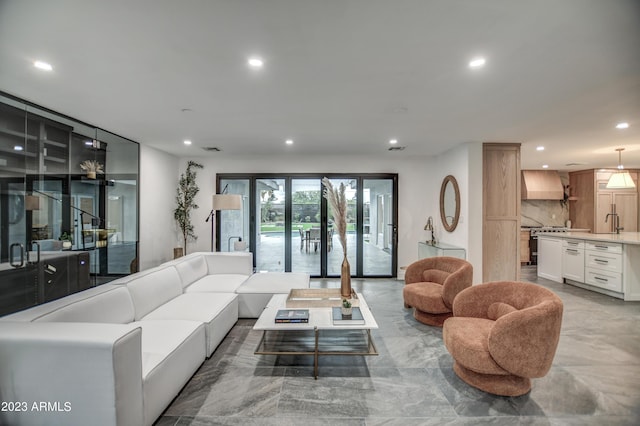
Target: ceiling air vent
<point>212,149</point>
<point>575,164</point>
<point>396,148</point>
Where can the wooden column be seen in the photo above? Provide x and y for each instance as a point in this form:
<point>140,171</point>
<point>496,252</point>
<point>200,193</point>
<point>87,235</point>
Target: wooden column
<point>501,212</point>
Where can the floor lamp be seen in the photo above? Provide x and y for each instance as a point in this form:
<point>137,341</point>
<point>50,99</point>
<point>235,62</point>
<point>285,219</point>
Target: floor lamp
<point>223,202</point>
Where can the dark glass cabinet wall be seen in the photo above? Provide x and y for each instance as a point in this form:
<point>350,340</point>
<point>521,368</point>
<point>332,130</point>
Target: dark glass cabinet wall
<point>62,228</point>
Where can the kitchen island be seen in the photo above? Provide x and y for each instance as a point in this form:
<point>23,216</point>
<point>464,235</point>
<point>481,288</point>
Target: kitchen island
<point>605,263</point>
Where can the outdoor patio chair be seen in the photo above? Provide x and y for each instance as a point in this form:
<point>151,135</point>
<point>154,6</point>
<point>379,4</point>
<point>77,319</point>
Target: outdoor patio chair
<point>303,237</point>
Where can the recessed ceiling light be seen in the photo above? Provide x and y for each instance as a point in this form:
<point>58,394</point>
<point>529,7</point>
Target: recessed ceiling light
<point>622,126</point>
<point>187,142</point>
<point>43,65</point>
<point>18,148</point>
<point>289,142</point>
<point>393,141</point>
<point>545,166</point>
<point>477,63</point>
<point>255,62</point>
<point>540,148</point>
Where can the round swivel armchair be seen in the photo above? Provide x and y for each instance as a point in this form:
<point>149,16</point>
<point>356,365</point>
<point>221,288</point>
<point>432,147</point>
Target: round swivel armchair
<point>431,285</point>
<point>503,334</point>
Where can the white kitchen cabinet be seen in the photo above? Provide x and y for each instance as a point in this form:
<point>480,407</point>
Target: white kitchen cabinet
<point>603,265</point>
<point>610,262</point>
<point>550,258</point>
<point>573,260</point>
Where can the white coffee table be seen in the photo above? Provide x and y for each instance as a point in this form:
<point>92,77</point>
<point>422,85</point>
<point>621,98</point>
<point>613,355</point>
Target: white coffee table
<point>306,339</point>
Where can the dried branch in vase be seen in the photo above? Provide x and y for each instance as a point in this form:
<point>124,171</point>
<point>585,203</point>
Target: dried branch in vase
<point>338,202</point>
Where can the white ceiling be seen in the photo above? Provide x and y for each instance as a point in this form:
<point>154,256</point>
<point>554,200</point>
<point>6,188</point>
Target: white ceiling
<point>341,76</point>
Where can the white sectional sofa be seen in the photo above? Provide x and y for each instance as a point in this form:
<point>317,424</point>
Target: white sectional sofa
<point>119,353</point>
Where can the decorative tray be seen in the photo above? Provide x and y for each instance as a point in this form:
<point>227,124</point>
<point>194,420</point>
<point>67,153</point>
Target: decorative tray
<point>318,298</point>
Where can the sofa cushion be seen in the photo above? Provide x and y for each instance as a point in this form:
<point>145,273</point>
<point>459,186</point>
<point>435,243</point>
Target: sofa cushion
<point>113,306</point>
<point>218,283</point>
<point>172,351</point>
<point>218,312</point>
<point>467,341</point>
<point>152,290</point>
<point>499,309</point>
<point>426,297</point>
<point>36,312</point>
<point>229,263</point>
<point>191,269</point>
<point>274,282</point>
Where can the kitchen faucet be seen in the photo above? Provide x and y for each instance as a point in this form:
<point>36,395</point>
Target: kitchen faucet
<point>616,221</point>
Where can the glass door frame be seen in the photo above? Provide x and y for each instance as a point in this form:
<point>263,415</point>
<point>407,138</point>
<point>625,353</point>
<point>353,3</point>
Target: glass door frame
<point>358,270</point>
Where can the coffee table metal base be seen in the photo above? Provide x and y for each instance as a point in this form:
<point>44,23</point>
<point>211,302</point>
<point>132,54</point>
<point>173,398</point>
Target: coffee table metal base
<point>294,346</point>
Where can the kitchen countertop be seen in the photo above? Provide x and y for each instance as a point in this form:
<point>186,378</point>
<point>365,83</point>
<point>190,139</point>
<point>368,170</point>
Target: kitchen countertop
<point>623,237</point>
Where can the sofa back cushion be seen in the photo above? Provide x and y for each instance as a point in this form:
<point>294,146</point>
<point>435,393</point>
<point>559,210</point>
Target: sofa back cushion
<point>154,289</point>
<point>229,263</point>
<point>113,306</point>
<point>191,270</point>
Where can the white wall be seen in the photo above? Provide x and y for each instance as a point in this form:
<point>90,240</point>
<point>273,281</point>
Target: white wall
<point>465,164</point>
<point>158,231</point>
<point>419,181</point>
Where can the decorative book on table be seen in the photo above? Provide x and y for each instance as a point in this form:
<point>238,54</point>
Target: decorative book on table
<point>292,315</point>
<point>356,317</point>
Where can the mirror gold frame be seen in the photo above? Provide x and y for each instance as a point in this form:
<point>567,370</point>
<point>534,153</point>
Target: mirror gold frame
<point>450,222</point>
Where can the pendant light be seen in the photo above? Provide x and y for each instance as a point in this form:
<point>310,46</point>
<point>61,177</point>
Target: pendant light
<point>620,179</point>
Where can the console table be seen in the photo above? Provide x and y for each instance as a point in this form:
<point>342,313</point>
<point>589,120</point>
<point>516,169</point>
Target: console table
<point>440,249</point>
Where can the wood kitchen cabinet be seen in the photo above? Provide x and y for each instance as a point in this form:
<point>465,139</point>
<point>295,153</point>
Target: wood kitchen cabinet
<point>501,212</point>
<point>591,202</point>
<point>525,254</point>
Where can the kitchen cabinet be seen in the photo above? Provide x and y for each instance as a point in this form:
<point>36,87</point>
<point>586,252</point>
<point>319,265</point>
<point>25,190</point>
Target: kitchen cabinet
<point>525,253</point>
<point>501,212</point>
<point>625,204</point>
<point>609,261</point>
<point>54,275</point>
<point>591,202</point>
<point>573,260</point>
<point>550,258</point>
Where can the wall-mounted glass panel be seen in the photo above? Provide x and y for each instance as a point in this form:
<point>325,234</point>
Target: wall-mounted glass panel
<point>68,205</point>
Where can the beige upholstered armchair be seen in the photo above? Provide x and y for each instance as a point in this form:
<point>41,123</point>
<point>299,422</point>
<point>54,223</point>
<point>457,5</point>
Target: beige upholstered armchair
<point>431,285</point>
<point>503,334</point>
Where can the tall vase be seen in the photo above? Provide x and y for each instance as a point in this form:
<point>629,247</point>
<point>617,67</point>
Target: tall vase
<point>345,279</point>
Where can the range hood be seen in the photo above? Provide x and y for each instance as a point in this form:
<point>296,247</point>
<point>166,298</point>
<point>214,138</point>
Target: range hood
<point>541,185</point>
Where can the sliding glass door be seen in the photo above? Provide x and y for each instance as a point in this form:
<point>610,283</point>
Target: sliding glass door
<point>289,225</point>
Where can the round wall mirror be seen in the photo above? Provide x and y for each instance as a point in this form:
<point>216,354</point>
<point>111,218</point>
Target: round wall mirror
<point>450,203</point>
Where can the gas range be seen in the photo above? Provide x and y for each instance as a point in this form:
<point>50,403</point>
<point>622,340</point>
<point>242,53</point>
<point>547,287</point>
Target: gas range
<point>538,229</point>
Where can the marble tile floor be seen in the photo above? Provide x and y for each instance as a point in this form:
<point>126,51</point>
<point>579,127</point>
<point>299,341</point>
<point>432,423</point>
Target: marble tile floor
<point>594,380</point>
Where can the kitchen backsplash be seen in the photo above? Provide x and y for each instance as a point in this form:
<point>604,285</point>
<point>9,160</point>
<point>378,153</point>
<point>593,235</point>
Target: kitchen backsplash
<point>543,212</point>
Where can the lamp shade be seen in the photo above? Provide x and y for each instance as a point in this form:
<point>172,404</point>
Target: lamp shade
<point>227,202</point>
<point>620,180</point>
<point>31,202</point>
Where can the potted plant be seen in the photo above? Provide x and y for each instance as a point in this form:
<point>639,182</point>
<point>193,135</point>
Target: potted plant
<point>91,167</point>
<point>347,308</point>
<point>185,199</point>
